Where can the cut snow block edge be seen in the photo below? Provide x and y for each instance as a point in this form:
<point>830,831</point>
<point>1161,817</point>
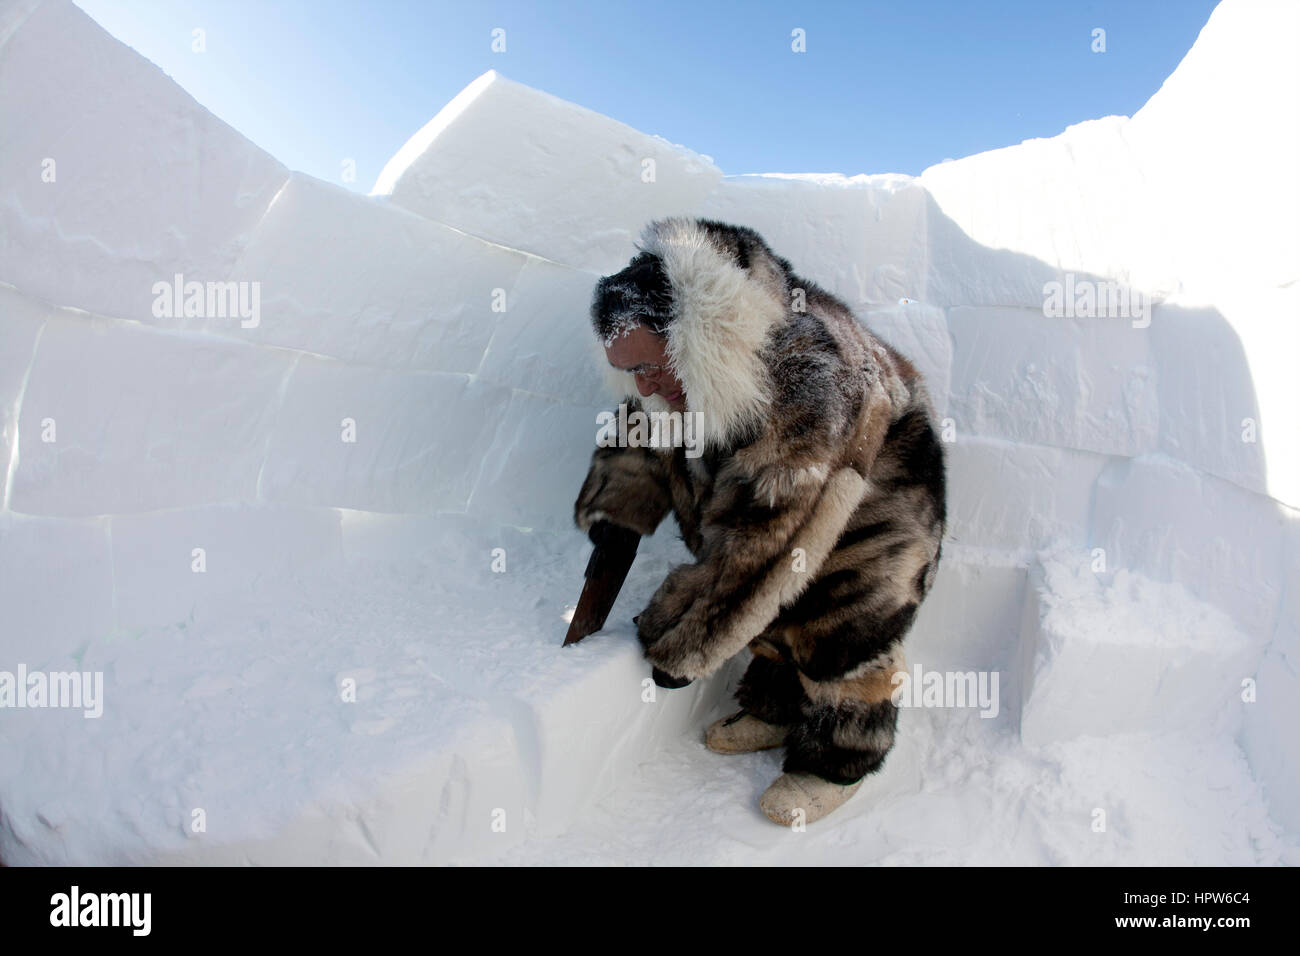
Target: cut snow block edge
<point>529,170</point>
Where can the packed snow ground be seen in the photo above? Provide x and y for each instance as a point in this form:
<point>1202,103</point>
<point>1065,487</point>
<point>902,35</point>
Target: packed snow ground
<point>1124,548</point>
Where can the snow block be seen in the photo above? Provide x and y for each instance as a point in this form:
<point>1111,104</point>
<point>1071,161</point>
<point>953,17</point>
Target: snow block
<point>1118,654</point>
<point>56,585</point>
<point>543,342</point>
<point>521,733</point>
<point>405,539</point>
<point>970,621</point>
<point>409,770</point>
<point>1267,739</point>
<point>121,418</point>
<point>1265,322</point>
<point>1228,389</point>
<point>358,280</point>
<point>1076,383</point>
<point>874,240</point>
<point>1170,522</point>
<point>121,180</point>
<point>457,805</point>
<point>173,567</point>
<point>21,322</point>
<point>528,170</point>
<point>1019,497</point>
<point>1071,203</point>
<point>1209,415</point>
<point>12,15</point>
<point>612,708</point>
<point>956,271</point>
<point>537,461</point>
<point>861,238</point>
<point>1273,750</point>
<point>1169,799</point>
<point>378,440</point>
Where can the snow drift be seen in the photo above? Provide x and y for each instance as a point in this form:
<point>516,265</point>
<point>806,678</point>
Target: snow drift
<point>318,544</point>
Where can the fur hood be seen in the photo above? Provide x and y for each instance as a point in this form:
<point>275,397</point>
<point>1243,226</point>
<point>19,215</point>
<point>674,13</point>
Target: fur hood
<point>717,291</point>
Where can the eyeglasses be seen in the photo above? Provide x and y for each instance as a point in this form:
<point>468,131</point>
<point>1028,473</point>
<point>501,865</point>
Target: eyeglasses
<point>645,368</point>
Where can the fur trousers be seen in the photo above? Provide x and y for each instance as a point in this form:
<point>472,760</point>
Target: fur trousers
<point>841,729</point>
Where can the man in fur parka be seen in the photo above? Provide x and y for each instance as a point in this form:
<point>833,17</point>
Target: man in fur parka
<point>814,513</point>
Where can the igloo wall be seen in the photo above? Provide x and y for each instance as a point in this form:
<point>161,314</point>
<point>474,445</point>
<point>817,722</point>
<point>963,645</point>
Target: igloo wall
<point>368,483</point>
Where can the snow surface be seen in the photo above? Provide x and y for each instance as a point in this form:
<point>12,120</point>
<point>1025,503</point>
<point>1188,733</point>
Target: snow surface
<point>1118,554</point>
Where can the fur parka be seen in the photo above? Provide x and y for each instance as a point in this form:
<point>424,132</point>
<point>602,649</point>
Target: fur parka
<point>816,511</point>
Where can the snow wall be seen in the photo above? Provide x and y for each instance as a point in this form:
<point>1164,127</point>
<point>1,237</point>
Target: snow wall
<point>362,484</point>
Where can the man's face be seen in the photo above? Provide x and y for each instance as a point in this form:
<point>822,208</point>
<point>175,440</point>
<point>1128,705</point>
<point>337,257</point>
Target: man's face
<point>644,354</point>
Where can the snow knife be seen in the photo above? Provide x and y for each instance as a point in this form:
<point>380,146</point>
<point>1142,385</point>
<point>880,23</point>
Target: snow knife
<point>606,570</point>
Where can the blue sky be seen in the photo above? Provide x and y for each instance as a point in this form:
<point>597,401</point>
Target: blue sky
<point>883,87</point>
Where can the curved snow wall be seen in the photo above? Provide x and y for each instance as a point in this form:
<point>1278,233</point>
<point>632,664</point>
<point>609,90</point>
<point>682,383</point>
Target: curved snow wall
<point>414,368</point>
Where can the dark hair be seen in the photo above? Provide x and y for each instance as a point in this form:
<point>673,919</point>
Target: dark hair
<point>639,294</point>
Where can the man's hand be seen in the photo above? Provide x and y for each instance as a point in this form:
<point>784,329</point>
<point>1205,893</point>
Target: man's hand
<point>661,676</point>
<point>671,628</point>
<point>624,486</point>
<point>666,680</point>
